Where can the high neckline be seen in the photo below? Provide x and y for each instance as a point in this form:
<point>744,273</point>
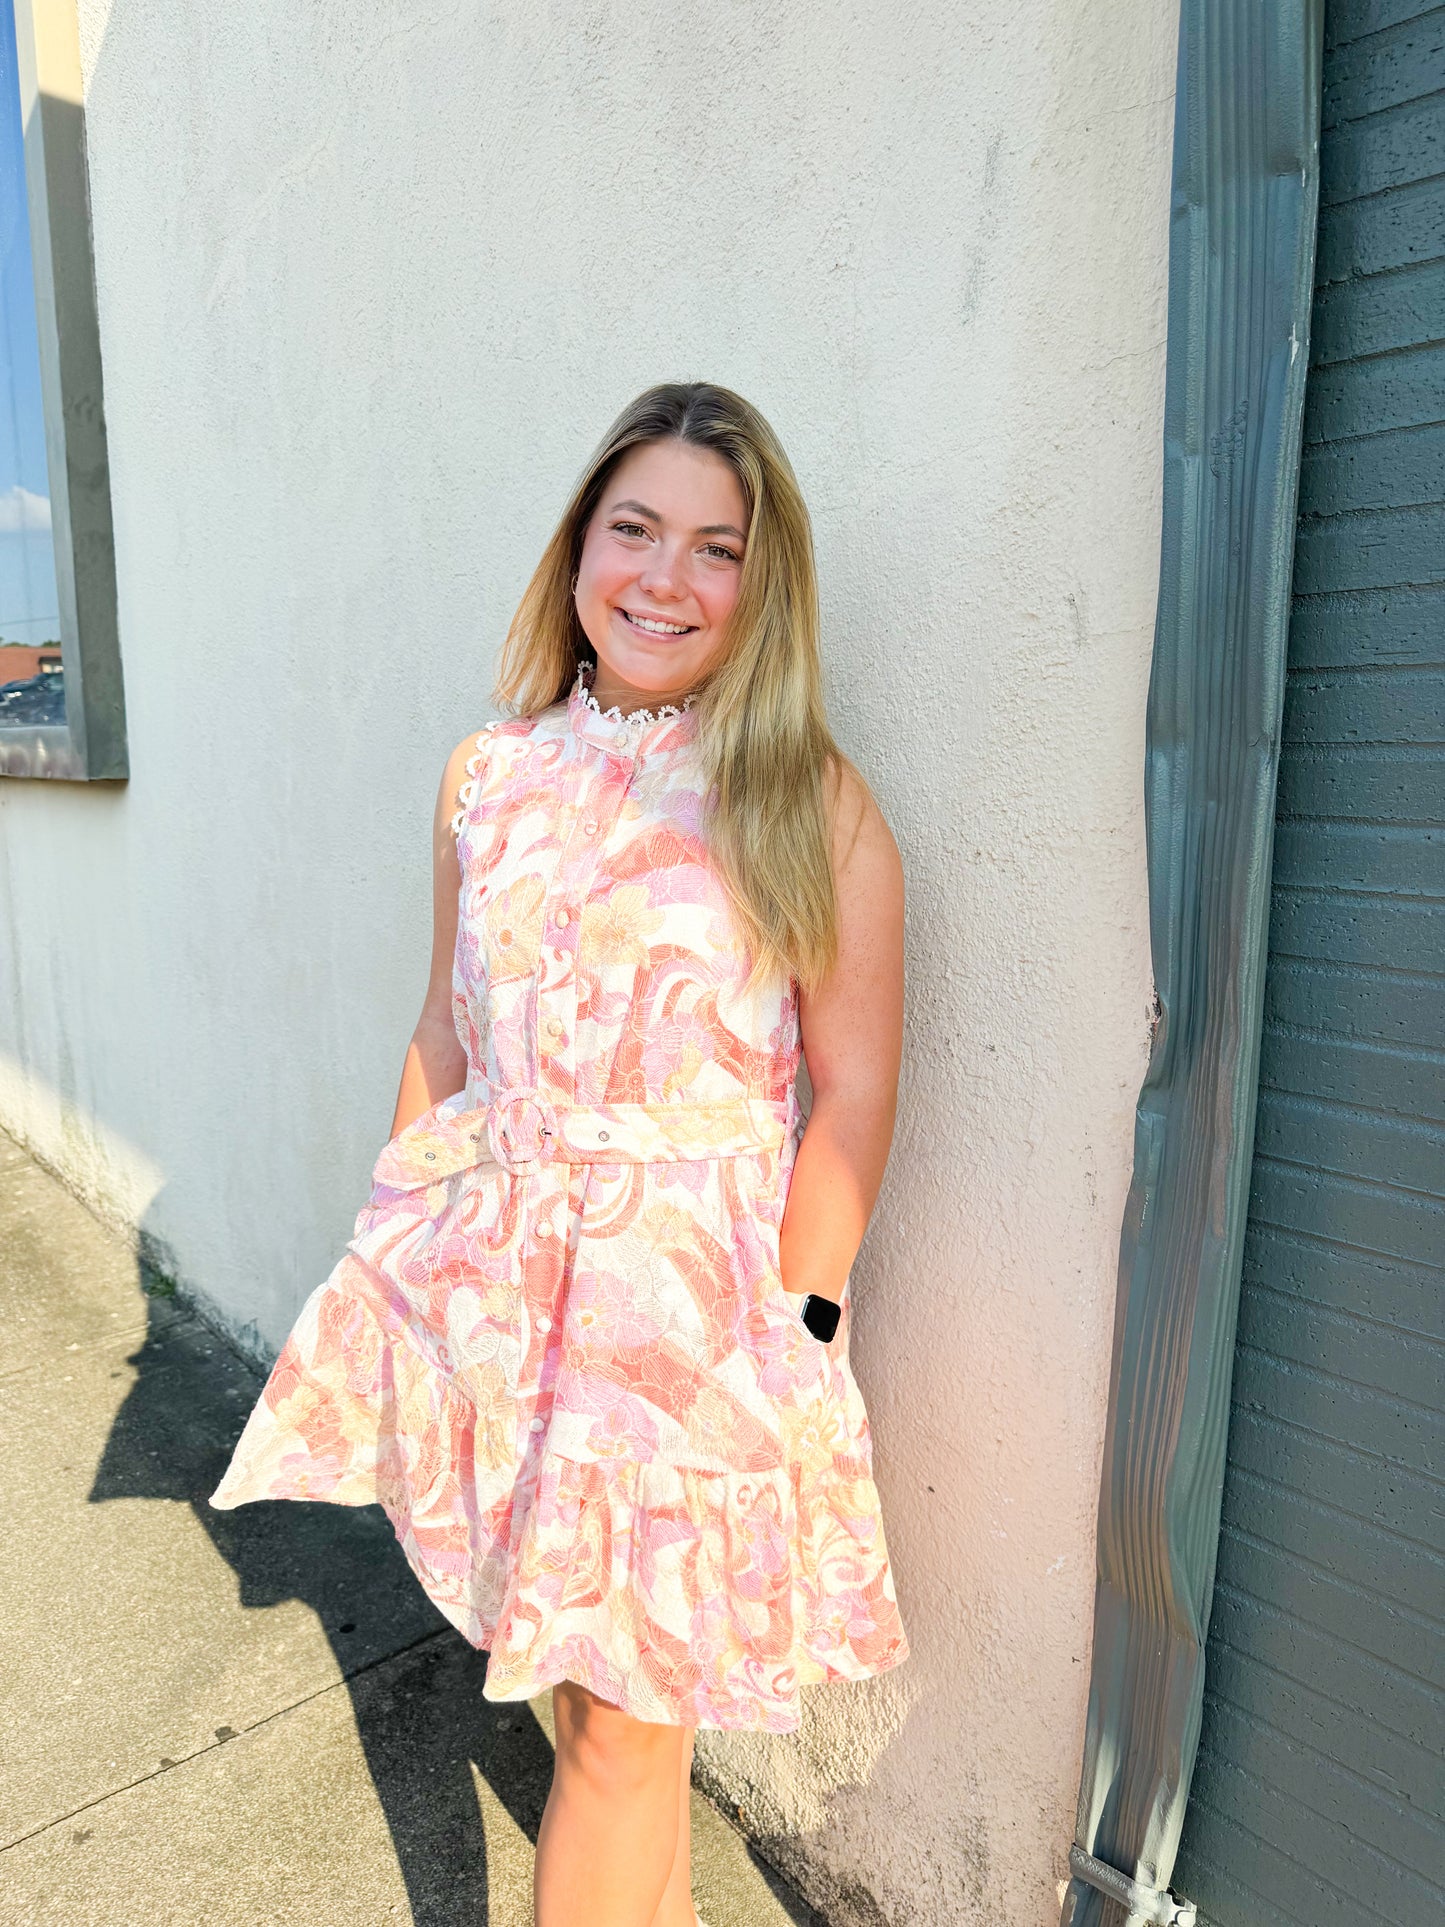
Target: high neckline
<point>587,675</point>
<point>645,730</point>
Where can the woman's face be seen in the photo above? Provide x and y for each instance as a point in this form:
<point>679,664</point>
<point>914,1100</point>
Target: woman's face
<point>665,547</point>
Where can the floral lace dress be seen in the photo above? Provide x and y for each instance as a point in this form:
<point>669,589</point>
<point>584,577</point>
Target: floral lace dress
<point>557,1348</point>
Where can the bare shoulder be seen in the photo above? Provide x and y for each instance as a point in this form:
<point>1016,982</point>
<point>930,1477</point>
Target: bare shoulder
<point>455,773</point>
<point>465,750</point>
<point>461,767</point>
<point>864,846</point>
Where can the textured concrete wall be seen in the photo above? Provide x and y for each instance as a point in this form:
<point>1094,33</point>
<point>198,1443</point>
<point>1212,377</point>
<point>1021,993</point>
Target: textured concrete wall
<point>371,282</point>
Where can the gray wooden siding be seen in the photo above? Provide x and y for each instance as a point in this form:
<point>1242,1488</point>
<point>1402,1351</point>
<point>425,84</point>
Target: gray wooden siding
<point>1317,1794</point>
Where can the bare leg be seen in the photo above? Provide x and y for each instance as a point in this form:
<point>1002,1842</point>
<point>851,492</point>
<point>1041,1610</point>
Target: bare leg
<point>675,1909</point>
<point>609,1832</point>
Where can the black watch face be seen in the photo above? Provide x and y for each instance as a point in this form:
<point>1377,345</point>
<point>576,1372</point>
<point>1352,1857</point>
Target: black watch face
<point>821,1316</point>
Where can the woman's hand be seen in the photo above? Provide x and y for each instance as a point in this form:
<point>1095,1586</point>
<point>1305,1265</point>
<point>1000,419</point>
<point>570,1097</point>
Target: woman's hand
<point>852,1030</point>
<point>436,1062</point>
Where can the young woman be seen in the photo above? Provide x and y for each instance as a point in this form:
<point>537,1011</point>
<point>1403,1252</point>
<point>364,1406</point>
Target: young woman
<point>582,1345</point>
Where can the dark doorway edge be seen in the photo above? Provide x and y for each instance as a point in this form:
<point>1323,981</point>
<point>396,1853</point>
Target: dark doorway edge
<point>1241,269</point>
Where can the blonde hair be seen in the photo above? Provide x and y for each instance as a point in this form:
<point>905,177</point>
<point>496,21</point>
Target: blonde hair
<point>762,727</point>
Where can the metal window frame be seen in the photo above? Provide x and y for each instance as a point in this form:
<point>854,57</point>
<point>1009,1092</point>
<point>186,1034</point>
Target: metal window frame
<point>90,745</point>
<point>1241,269</point>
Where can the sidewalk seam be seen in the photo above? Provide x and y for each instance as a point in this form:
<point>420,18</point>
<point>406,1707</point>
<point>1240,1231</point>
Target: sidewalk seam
<point>95,1345</point>
<point>280,1712</point>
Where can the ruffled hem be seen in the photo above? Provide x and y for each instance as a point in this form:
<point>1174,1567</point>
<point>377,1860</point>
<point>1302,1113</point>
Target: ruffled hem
<point>684,1595</point>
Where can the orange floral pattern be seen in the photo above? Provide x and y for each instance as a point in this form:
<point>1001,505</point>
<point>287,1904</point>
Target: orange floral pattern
<point>557,1348</point>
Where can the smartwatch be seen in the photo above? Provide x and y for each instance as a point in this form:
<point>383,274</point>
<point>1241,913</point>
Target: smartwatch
<point>820,1315</point>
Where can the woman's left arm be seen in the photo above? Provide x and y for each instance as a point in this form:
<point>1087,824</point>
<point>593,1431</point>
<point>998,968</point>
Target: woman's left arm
<point>852,1030</point>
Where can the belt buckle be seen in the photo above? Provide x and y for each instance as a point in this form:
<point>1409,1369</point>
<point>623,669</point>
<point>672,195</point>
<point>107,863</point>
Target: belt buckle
<point>521,1128</point>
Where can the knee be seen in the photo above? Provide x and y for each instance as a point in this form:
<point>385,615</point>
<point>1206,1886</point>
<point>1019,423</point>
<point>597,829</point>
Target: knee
<point>609,1750</point>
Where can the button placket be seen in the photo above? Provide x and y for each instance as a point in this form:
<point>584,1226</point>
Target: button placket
<point>544,1348</point>
<point>546,1202</point>
<point>603,787</point>
<point>556,1005</point>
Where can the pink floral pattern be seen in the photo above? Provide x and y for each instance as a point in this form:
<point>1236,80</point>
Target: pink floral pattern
<point>557,1348</point>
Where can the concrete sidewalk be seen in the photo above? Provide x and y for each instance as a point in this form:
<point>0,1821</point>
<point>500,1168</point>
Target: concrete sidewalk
<point>231,1718</point>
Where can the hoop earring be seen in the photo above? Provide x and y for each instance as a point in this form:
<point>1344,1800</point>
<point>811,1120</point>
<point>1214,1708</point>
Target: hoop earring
<point>574,584</point>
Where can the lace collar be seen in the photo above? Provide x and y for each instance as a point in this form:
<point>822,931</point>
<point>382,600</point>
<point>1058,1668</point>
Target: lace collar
<point>582,691</point>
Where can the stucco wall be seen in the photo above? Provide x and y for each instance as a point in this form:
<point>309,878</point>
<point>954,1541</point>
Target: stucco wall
<point>371,282</point>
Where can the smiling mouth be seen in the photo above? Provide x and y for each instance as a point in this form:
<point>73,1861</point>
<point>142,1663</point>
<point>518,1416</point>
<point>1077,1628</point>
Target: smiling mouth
<point>651,626</point>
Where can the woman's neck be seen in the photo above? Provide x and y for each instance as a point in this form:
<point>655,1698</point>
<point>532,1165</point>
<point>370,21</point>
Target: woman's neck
<point>612,692</point>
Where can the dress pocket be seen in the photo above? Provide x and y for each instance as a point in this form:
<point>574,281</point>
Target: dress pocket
<point>770,1220</point>
<point>791,1302</point>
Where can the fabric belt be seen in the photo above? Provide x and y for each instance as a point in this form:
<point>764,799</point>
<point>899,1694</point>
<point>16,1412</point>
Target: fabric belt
<point>521,1130</point>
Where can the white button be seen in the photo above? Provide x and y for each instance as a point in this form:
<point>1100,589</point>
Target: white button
<point>564,917</point>
<point>590,827</point>
<point>554,1024</point>
<point>621,739</point>
<point>538,1424</point>
<point>544,1229</point>
<point>544,1323</point>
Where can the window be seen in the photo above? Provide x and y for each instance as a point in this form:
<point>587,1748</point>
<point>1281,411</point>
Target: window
<point>62,712</point>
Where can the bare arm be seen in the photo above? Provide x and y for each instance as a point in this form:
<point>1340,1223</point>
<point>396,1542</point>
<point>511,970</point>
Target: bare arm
<point>436,1063</point>
<point>852,1029</point>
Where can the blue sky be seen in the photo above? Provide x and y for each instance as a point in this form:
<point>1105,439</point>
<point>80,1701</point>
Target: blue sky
<point>28,600</point>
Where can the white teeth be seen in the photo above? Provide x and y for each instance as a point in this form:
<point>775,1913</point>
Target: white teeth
<point>658,628</point>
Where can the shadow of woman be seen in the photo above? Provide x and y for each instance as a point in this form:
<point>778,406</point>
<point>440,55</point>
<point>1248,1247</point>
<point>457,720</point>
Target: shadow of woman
<point>415,1684</point>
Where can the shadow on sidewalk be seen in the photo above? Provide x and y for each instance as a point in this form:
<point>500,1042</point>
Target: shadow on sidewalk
<point>415,1684</point>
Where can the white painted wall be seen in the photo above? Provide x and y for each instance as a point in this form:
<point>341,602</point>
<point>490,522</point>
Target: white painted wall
<point>371,282</point>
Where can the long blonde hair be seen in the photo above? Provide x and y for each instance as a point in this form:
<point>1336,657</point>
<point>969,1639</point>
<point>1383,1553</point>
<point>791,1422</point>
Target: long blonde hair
<point>762,727</point>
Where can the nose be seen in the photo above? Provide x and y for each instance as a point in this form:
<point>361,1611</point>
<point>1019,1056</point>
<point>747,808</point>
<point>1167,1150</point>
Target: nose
<point>663,575</point>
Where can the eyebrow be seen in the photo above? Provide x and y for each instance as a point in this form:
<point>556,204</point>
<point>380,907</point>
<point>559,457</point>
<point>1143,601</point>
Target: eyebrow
<point>711,528</point>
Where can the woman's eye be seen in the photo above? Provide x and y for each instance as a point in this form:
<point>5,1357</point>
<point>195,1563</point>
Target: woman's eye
<point>629,528</point>
<point>718,549</point>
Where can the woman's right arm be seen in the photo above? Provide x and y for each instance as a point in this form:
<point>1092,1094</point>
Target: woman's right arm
<point>436,1062</point>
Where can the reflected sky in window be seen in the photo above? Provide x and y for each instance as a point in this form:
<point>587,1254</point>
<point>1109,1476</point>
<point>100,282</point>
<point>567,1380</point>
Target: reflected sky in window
<point>29,603</point>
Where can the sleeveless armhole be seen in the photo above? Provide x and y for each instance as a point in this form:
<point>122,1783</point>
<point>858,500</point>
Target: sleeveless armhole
<point>471,788</point>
